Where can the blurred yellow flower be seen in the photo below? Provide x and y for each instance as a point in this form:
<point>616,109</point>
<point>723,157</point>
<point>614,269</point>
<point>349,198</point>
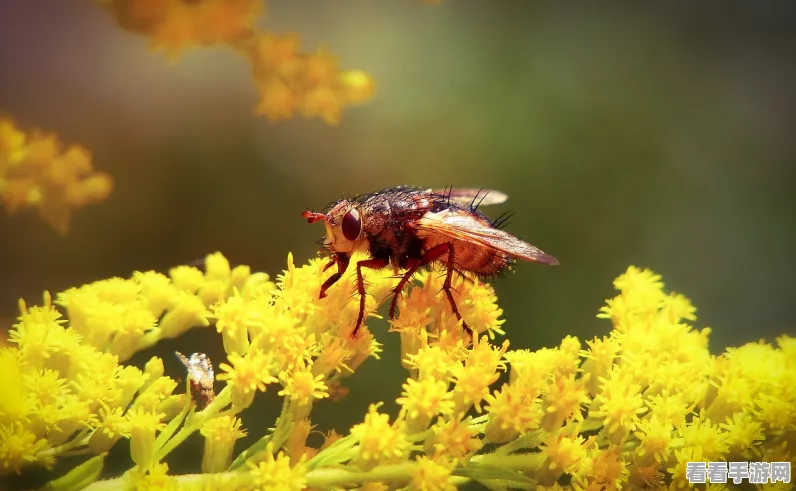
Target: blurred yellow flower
<point>288,81</point>
<point>36,172</point>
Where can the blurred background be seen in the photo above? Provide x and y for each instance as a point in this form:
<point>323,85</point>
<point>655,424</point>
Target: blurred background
<point>652,135</point>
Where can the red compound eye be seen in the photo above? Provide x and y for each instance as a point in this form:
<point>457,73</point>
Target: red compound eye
<point>352,224</point>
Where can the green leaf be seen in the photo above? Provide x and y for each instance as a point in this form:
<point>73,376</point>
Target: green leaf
<point>79,477</point>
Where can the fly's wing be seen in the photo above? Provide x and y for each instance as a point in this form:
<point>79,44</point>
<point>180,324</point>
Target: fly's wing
<point>472,197</point>
<point>200,368</point>
<point>468,227</point>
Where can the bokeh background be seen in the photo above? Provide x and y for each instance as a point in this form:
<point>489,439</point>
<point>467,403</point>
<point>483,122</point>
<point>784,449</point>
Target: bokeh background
<point>653,135</point>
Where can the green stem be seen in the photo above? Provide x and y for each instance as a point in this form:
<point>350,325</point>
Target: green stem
<point>515,462</point>
<point>279,433</point>
<point>330,477</point>
<point>195,422</point>
<point>325,478</point>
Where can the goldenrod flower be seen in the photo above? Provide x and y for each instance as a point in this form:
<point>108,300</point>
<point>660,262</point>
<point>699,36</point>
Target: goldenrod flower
<point>220,434</point>
<point>144,426</point>
<point>618,405</point>
<point>656,440</point>
<point>600,357</point>
<point>607,469</point>
<point>432,475</point>
<point>302,388</point>
<point>18,447</point>
<point>563,400</point>
<point>113,425</point>
<point>513,411</point>
<point>706,436</point>
<point>452,438</point>
<point>247,374</point>
<point>155,478</point>
<point>421,400</point>
<point>563,454</point>
<point>628,411</point>
<point>275,473</point>
<point>36,172</point>
<point>744,436</point>
<point>296,445</point>
<point>379,442</point>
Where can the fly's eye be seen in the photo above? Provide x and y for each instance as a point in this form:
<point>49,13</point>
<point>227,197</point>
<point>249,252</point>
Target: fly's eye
<point>352,224</point>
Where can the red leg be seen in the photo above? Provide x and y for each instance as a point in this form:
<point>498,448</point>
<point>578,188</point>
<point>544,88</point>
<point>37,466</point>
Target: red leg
<point>367,263</point>
<point>429,256</point>
<point>332,262</point>
<point>446,287</point>
<point>342,265</point>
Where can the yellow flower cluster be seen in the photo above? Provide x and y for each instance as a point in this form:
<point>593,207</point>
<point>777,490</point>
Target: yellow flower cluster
<point>288,81</point>
<point>626,410</point>
<point>64,391</point>
<point>36,172</point>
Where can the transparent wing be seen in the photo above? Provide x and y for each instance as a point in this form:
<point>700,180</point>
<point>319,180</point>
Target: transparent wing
<point>470,228</point>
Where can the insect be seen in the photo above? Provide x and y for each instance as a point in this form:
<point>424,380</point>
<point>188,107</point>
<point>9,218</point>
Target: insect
<point>200,369</point>
<point>410,228</point>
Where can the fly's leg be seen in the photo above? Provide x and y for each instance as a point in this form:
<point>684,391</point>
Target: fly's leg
<point>428,257</point>
<point>342,265</point>
<point>367,263</point>
<point>446,287</point>
<point>414,265</point>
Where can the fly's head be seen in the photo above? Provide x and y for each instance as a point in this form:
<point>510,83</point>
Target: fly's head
<point>344,227</point>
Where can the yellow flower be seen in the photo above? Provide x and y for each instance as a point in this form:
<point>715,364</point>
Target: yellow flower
<point>278,102</point>
<point>431,361</point>
<point>155,478</point>
<point>302,388</point>
<point>563,453</point>
<point>322,102</point>
<point>452,438</point>
<point>36,172</point>
<point>479,371</point>
<point>186,278</point>
<point>421,400</point>
<point>656,440</point>
<point>220,434</point>
<point>432,475</point>
<point>357,86</point>
<point>608,470</point>
<point>113,426</point>
<point>144,426</point>
<point>708,437</point>
<point>600,357</point>
<point>275,473</point>
<point>247,374</point>
<point>513,411</point>
<point>296,445</point>
<point>744,436</point>
<point>18,447</point>
<point>618,405</point>
<point>379,442</point>
<point>564,398</point>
